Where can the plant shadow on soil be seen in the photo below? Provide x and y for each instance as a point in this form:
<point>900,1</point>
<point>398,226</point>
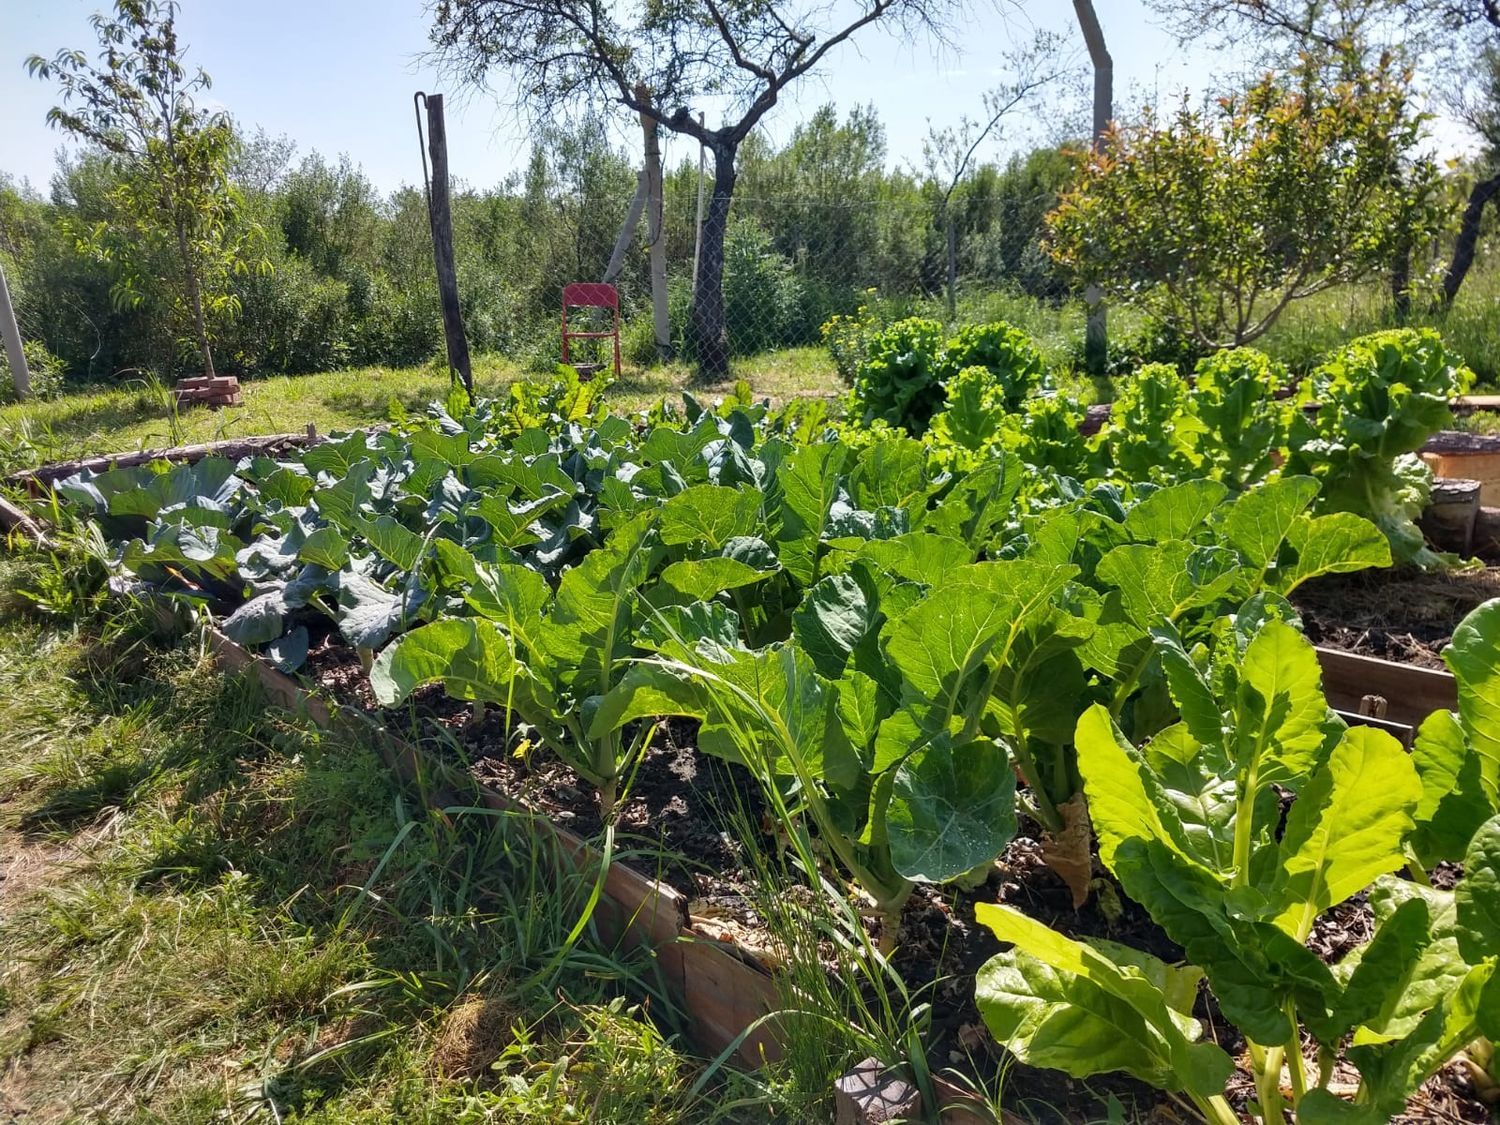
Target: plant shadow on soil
<point>355,914</point>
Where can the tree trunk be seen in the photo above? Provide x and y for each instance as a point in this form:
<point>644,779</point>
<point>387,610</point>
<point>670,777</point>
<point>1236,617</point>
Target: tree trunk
<point>952,264</point>
<point>195,300</point>
<point>1468,237</point>
<point>1096,331</point>
<point>1401,282</point>
<point>710,331</point>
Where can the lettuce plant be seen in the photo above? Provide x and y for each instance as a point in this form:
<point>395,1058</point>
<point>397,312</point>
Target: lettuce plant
<point>1191,825</point>
<point>1380,398</point>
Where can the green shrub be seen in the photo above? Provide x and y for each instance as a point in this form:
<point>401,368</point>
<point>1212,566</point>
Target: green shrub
<point>46,372</point>
<point>762,296</point>
<point>900,381</point>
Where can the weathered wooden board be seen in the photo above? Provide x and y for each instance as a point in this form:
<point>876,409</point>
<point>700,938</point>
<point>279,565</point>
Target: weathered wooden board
<point>1411,693</point>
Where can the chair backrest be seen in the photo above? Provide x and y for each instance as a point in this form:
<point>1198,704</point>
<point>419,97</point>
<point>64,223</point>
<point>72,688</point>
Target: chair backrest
<point>590,295</point>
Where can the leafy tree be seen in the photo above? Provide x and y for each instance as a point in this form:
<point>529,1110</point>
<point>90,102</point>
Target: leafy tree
<point>1451,43</point>
<point>1214,221</point>
<point>656,60</point>
<point>172,160</point>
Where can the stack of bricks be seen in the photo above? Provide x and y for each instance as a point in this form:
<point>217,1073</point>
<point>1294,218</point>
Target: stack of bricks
<point>216,390</point>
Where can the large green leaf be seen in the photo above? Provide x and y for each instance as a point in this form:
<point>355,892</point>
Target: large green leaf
<point>1474,657</point>
<point>1422,981</point>
<point>257,622</point>
<point>952,808</point>
<point>1160,582</point>
<point>1175,512</point>
<point>471,658</point>
<point>1454,803</point>
<point>1477,896</point>
<point>1346,827</point>
<point>325,547</point>
<point>1332,544</point>
<point>833,618</point>
<point>1259,520</point>
<point>1392,1072</point>
<point>1376,977</point>
<point>709,513</point>
<point>1282,718</point>
<point>918,556</point>
<point>590,630</point>
<point>808,482</point>
<point>1091,1009</point>
<point>701,579</point>
<point>1125,798</point>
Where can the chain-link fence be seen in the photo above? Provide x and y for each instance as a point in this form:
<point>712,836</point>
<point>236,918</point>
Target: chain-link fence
<point>342,276</point>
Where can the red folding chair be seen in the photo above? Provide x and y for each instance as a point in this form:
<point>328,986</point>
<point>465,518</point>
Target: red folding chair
<point>590,295</point>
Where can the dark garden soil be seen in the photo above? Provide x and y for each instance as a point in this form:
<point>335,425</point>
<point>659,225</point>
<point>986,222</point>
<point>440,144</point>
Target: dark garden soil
<point>1399,614</point>
<point>684,818</point>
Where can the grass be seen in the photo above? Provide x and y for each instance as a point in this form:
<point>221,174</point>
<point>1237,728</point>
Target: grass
<point>140,414</point>
<point>212,911</point>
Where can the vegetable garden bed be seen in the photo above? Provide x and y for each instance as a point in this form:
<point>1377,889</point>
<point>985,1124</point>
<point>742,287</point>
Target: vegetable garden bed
<point>926,679</point>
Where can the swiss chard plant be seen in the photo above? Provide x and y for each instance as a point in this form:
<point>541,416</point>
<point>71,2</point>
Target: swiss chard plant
<point>1191,824</point>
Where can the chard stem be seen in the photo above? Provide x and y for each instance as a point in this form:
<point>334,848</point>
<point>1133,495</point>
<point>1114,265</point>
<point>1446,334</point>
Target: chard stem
<point>1296,1064</point>
<point>1268,1086</point>
<point>1215,1110</point>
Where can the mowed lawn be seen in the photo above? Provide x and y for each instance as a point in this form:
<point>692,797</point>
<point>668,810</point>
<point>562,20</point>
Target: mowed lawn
<point>138,415</point>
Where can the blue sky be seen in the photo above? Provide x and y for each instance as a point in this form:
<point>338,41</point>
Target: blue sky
<point>337,76</point>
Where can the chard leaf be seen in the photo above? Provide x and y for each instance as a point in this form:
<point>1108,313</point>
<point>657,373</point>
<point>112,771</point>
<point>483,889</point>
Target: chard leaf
<point>1175,512</point>
<point>258,621</point>
<point>471,658</point>
<point>1454,803</point>
<point>1392,1072</point>
<point>1346,826</point>
<point>1477,896</point>
<point>1333,544</point>
<point>710,514</point>
<point>1125,799</point>
<point>1092,1008</point>
<point>951,809</point>
<point>1474,657</point>
<point>1281,716</point>
<point>833,618</point>
<point>1377,976</point>
<point>1424,980</point>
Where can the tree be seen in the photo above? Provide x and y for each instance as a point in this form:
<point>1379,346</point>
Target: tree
<point>172,161</point>
<point>1454,41</point>
<point>1216,220</point>
<point>949,152</point>
<point>657,60</point>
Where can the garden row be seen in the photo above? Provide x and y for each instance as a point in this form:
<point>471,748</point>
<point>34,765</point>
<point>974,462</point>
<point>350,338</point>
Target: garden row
<point>913,655</point>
